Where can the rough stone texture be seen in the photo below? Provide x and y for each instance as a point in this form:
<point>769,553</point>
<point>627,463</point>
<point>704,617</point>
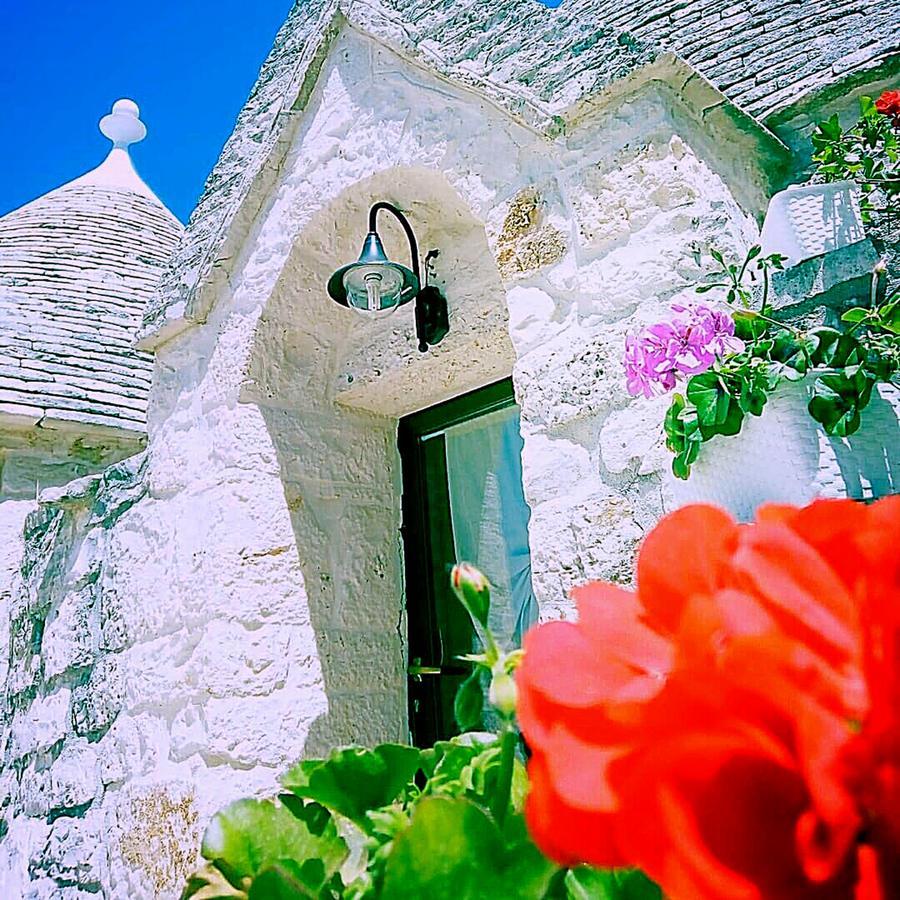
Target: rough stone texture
<point>191,622</point>
<point>534,62</point>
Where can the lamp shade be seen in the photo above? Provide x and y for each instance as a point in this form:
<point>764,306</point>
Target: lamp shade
<point>373,283</point>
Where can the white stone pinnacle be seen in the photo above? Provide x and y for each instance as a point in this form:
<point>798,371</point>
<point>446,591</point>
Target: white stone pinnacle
<point>123,125</point>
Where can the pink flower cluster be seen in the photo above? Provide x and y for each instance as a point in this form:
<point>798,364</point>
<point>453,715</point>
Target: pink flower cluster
<point>689,344</point>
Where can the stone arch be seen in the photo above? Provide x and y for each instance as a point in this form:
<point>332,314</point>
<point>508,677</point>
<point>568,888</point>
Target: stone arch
<point>330,385</point>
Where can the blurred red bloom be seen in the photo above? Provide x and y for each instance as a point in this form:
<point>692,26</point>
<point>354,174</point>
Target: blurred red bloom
<point>733,726</point>
<point>888,104</point>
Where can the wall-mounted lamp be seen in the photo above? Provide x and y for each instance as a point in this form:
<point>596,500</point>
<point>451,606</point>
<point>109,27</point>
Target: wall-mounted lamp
<point>374,284</point>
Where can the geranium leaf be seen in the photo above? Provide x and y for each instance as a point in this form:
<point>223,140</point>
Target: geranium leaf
<point>857,314</point>
<point>289,880</point>
<point>354,780</point>
<point>468,704</point>
<point>748,326</point>
<point>452,850</point>
<point>704,391</point>
<point>610,884</point>
<point>838,400</point>
<point>251,835</point>
<point>210,884</point>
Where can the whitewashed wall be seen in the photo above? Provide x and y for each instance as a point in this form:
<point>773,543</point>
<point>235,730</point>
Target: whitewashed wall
<point>190,623</point>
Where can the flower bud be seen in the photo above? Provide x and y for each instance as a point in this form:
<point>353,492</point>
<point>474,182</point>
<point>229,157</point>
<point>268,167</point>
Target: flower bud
<point>503,694</point>
<point>473,589</point>
<point>880,267</point>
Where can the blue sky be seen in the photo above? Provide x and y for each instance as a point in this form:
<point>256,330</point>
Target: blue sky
<point>189,64</point>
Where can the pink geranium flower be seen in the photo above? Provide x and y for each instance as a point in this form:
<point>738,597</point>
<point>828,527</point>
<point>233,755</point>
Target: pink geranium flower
<point>687,345</point>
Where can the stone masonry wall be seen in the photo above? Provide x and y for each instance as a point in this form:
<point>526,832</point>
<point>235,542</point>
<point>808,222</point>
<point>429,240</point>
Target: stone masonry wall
<point>194,620</point>
<point>537,63</point>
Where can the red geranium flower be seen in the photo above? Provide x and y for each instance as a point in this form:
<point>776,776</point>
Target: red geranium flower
<point>733,727</point>
<point>888,104</point>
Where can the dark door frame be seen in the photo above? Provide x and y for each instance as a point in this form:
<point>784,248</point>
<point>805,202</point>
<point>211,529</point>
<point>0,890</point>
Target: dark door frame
<point>434,616</point>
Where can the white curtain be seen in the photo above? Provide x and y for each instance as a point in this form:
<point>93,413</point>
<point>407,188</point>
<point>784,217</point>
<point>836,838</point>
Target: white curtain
<point>490,516</point>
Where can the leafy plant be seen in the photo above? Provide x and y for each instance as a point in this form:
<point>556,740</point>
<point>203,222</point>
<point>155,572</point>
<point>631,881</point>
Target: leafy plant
<point>868,153</point>
<point>392,822</point>
<point>730,364</point>
<point>846,365</point>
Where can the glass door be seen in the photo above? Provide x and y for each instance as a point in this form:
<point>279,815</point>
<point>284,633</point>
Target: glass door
<point>462,500</point>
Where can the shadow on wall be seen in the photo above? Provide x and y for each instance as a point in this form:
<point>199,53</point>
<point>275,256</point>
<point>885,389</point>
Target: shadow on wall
<point>869,460</point>
<point>330,385</point>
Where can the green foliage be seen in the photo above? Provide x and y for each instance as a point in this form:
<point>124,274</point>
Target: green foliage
<point>468,705</point>
<point>846,365</point>
<point>867,153</point>
<point>617,884</point>
<point>454,850</point>
<point>444,822</point>
<point>248,839</point>
<point>353,781</point>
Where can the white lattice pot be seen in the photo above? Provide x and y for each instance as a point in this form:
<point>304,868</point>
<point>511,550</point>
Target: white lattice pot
<point>784,456</point>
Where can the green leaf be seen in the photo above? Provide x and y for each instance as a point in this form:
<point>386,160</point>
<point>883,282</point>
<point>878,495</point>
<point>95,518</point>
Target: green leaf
<point>210,884</point>
<point>831,129</point>
<point>705,392</point>
<point>824,341</point>
<point>889,317</point>
<point>791,352</point>
<point>838,400</point>
<point>753,399</point>
<point>733,420</point>
<point>748,326</point>
<point>681,464</point>
<point>354,780</point>
<point>445,762</point>
<point>468,704</point>
<point>857,314</point>
<point>452,850</point>
<point>610,884</point>
<point>288,880</point>
<point>250,835</point>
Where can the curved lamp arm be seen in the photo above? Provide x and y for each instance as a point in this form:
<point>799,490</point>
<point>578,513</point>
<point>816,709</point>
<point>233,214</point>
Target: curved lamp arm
<point>410,236</point>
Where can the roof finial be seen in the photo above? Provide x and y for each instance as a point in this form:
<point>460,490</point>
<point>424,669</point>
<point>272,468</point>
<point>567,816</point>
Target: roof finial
<point>122,126</point>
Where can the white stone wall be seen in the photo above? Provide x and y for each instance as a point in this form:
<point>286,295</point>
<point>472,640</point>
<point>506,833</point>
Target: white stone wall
<point>191,623</point>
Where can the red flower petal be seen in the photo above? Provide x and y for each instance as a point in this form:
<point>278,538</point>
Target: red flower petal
<point>684,555</point>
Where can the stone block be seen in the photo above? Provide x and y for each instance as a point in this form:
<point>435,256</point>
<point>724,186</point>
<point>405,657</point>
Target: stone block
<point>553,467</point>
<point>837,281</point>
<point>42,724</point>
<point>97,702</point>
<point>157,833</point>
<point>531,317</point>
<point>269,731</point>
<point>71,632</point>
<point>634,436</point>
<point>72,781</point>
<point>73,852</point>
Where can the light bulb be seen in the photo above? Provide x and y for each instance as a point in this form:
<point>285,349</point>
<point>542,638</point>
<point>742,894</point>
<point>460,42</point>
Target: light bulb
<point>373,291</point>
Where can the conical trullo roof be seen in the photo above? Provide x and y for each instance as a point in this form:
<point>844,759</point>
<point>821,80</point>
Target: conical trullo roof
<point>77,267</point>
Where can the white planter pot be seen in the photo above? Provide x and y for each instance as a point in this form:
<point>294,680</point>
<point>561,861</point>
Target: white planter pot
<point>784,456</point>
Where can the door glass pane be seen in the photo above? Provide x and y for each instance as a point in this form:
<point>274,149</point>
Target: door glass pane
<point>462,500</point>
<point>490,517</point>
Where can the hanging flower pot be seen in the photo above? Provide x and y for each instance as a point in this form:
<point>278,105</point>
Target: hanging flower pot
<point>773,458</point>
<point>766,411</point>
<point>785,456</point>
